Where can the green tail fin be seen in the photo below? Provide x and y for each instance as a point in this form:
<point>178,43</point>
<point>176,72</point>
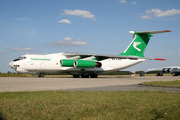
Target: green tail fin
<point>138,45</point>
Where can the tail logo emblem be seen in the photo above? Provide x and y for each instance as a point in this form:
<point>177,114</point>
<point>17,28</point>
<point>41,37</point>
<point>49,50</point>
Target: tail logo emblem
<point>136,44</point>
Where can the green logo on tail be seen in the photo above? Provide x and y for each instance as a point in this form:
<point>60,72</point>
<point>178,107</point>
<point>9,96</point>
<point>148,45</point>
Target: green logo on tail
<point>138,45</point>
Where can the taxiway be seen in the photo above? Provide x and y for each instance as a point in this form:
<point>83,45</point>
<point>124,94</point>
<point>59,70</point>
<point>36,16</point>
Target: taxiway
<point>12,84</point>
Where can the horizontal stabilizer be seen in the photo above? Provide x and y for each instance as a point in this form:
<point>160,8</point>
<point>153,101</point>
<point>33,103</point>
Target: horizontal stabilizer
<point>160,59</point>
<point>150,32</point>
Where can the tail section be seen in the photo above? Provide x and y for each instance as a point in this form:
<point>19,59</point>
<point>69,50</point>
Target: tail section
<point>139,43</point>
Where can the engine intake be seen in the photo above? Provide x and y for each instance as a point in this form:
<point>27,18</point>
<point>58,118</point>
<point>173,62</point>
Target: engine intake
<point>67,63</point>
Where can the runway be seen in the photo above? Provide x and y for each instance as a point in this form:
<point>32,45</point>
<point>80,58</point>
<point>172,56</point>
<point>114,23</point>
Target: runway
<point>15,84</point>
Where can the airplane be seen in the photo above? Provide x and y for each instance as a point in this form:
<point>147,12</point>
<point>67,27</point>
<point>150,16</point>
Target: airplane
<point>86,65</point>
<point>174,70</point>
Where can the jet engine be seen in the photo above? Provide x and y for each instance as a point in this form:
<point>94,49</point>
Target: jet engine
<point>86,64</point>
<point>80,63</point>
<point>67,63</point>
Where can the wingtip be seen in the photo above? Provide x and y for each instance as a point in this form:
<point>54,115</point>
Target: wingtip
<point>167,31</point>
<point>160,59</point>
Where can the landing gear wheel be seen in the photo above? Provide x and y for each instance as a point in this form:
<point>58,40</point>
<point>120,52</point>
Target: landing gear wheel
<point>175,74</point>
<point>93,75</point>
<point>85,76</point>
<point>75,76</point>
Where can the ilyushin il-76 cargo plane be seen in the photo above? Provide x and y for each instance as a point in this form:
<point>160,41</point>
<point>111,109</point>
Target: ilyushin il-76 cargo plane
<point>86,65</point>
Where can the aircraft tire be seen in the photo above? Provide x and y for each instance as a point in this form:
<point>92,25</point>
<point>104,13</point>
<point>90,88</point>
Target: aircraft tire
<point>85,75</point>
<point>93,75</point>
<point>75,76</point>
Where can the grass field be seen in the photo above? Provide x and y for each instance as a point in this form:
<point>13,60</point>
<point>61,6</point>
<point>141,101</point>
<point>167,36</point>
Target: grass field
<point>14,75</point>
<point>89,105</point>
<point>175,83</point>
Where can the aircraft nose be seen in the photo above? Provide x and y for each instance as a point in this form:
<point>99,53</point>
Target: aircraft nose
<point>11,64</point>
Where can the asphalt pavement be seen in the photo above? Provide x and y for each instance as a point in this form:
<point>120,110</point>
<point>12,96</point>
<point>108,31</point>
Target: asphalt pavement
<point>127,83</point>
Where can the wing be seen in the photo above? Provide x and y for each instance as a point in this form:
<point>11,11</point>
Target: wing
<point>99,57</point>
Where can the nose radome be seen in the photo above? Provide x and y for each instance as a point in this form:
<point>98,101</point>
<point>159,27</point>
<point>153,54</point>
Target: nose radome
<point>11,64</point>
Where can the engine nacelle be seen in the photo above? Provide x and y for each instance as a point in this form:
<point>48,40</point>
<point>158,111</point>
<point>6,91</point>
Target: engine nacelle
<point>86,64</point>
<point>67,63</point>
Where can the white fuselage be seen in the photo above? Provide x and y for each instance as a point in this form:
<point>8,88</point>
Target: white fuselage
<point>175,71</point>
<point>50,63</point>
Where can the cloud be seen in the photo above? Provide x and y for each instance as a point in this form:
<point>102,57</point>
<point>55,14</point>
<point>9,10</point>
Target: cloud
<point>1,51</point>
<point>159,13</point>
<point>67,38</point>
<point>146,17</point>
<point>134,2</point>
<point>65,21</point>
<point>19,49</point>
<point>122,1</point>
<point>83,13</point>
<point>67,42</point>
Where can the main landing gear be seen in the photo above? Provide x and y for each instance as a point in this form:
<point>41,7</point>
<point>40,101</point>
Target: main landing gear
<point>86,76</point>
<point>41,75</point>
<point>174,74</point>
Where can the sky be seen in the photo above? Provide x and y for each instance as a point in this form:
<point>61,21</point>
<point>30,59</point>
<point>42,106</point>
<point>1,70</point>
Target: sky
<point>88,26</point>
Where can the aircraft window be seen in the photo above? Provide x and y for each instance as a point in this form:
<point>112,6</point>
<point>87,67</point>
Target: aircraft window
<point>20,58</point>
<point>16,65</point>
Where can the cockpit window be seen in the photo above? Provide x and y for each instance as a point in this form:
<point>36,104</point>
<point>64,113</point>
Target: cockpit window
<point>20,58</point>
